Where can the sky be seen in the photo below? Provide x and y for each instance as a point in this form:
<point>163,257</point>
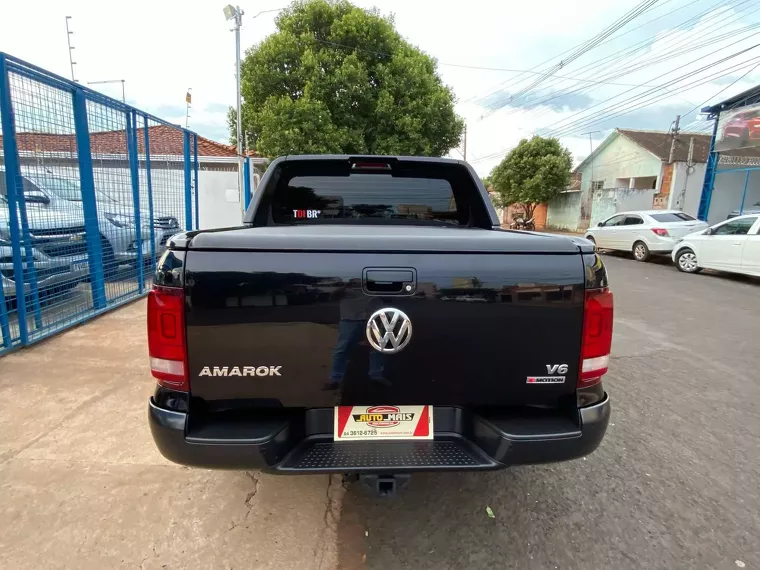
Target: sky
<point>638,78</point>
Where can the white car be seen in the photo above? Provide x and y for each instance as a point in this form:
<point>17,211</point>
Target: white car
<point>643,232</point>
<point>733,245</point>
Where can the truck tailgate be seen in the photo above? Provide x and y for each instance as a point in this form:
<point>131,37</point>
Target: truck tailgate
<point>270,328</point>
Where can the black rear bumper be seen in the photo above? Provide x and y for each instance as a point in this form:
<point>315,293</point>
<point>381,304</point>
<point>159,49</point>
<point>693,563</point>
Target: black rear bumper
<point>463,441</point>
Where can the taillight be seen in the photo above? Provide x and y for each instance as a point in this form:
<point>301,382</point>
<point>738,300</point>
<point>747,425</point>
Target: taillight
<point>166,337</point>
<point>597,337</point>
<point>662,232</point>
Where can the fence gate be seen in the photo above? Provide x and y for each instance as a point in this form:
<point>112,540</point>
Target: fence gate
<point>90,191</point>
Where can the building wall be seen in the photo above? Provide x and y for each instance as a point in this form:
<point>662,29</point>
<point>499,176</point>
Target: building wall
<point>219,204</point>
<point>607,203</point>
<point>621,158</point>
<point>615,165</point>
<point>563,212</point>
<point>727,194</point>
<point>662,198</point>
<point>686,188</point>
<point>539,216</point>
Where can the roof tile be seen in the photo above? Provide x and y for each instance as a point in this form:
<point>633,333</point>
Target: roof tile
<point>163,140</point>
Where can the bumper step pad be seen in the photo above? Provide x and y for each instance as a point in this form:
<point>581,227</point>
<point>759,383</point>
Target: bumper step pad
<point>390,455</point>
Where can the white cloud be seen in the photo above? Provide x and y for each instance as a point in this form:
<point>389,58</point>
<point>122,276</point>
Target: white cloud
<point>162,48</point>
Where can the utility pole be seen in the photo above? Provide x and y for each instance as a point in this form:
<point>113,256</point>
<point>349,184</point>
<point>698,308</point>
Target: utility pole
<point>188,101</point>
<point>673,139</point>
<point>586,196</point>
<point>72,63</point>
<point>689,170</point>
<point>591,154</point>
<point>464,154</point>
<point>235,13</point>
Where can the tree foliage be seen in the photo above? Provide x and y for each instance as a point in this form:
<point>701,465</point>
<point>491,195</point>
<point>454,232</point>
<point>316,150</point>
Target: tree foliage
<point>335,78</point>
<point>533,172</point>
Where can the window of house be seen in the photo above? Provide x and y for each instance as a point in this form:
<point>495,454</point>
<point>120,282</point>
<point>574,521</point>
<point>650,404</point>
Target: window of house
<point>597,184</point>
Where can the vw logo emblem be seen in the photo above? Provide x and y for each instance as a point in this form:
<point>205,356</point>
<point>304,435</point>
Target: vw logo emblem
<point>389,330</point>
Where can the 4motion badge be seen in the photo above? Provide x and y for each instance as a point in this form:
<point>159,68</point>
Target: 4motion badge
<point>551,370</point>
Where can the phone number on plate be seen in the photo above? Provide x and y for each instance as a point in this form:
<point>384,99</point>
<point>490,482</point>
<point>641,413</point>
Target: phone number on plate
<point>360,432</point>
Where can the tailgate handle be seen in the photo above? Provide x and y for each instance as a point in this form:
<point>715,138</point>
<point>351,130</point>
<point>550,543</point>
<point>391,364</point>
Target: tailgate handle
<point>390,281</point>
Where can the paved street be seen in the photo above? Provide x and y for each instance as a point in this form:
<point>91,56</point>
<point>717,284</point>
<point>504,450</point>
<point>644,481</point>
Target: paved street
<point>674,484</point>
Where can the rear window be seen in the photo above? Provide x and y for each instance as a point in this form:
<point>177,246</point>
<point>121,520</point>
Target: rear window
<point>370,197</point>
<point>672,217</point>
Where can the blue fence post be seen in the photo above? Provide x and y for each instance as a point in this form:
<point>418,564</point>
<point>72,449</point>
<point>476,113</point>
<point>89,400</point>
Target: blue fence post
<point>744,193</point>
<point>5,327</point>
<point>247,181</point>
<point>17,211</point>
<point>89,204</point>
<point>135,176</point>
<point>707,185</point>
<point>188,190</point>
<point>150,194</point>
<point>195,174</point>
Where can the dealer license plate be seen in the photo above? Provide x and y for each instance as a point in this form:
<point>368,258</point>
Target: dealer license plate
<point>383,422</point>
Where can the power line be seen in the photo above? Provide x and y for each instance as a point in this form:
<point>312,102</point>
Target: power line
<point>604,114</point>
<point>641,64</point>
<point>650,98</point>
<point>638,10</point>
<point>656,58</point>
<point>660,86</point>
<point>495,89</point>
<point>660,58</point>
<point>600,116</point>
<point>443,63</point>
<point>722,90</point>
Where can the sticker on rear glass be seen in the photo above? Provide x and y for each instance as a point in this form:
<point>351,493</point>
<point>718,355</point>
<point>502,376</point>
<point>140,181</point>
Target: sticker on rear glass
<point>306,214</point>
<point>546,380</point>
<point>383,422</point>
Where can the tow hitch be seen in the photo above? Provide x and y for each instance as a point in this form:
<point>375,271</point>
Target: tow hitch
<point>384,485</point>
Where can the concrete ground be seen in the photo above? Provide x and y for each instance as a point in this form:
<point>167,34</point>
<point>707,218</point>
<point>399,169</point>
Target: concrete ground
<point>674,484</point>
<point>82,485</point>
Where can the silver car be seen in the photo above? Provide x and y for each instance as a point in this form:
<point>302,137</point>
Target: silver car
<point>58,248</point>
<point>643,232</point>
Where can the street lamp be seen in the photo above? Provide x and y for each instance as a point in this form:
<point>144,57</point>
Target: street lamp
<point>235,13</point>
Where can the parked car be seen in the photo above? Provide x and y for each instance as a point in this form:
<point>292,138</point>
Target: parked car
<point>643,232</point>
<point>58,248</point>
<point>116,221</point>
<point>754,209</point>
<point>379,378</point>
<point>732,245</point>
<point>58,234</point>
<point>52,274</point>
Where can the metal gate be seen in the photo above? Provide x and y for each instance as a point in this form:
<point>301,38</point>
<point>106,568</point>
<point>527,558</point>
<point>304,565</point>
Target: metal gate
<point>91,189</point>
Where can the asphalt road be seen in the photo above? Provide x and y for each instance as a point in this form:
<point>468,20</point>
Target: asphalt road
<point>675,484</point>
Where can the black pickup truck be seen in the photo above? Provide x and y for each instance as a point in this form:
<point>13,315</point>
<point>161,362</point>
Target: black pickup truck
<point>371,317</point>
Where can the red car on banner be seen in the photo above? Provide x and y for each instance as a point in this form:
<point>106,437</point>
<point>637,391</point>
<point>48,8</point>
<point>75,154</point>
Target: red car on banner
<point>739,130</point>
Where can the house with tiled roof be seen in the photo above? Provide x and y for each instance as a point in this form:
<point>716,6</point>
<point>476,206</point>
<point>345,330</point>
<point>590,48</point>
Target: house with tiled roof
<point>634,170</point>
<point>219,200</point>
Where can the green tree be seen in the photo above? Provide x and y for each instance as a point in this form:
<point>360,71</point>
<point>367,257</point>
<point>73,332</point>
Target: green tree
<point>335,78</point>
<point>533,172</point>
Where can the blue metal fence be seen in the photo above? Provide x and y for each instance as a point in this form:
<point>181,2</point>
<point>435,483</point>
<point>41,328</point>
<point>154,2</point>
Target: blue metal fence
<point>90,191</point>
